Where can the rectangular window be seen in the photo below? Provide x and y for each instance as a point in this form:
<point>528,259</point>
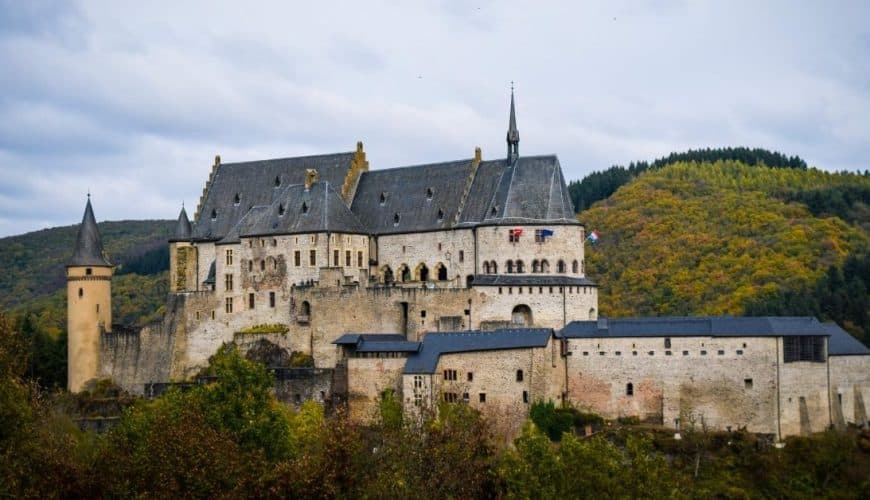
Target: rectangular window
<point>482,397</point>
<point>465,397</point>
<point>297,258</point>
<point>805,348</point>
<point>526,397</point>
<point>229,257</point>
<point>212,314</point>
<point>470,376</point>
<point>667,343</point>
<point>335,258</point>
<point>312,258</point>
<point>418,381</point>
<point>271,299</point>
<point>359,260</point>
<point>519,375</point>
<point>747,383</point>
<point>449,374</point>
<point>250,301</point>
<point>228,282</point>
<point>228,305</point>
<point>462,256</point>
<point>514,235</point>
<point>450,397</point>
<point>347,258</point>
<point>418,400</point>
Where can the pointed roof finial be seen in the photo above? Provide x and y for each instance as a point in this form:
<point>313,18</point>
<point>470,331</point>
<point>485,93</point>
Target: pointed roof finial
<point>513,135</point>
<point>182,227</point>
<point>89,243</point>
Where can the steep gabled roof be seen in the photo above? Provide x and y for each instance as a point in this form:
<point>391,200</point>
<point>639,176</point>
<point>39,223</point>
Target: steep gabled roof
<point>89,244</point>
<point>258,183</point>
<point>436,344</point>
<point>417,195</point>
<point>710,326</point>
<point>299,210</point>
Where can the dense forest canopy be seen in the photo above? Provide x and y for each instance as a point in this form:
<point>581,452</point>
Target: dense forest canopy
<point>599,185</point>
<point>729,238</point>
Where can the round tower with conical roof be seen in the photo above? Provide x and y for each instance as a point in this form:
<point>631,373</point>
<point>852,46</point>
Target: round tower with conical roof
<point>89,303</point>
<point>182,257</point>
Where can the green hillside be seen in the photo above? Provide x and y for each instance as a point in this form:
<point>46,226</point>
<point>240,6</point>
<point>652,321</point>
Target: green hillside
<point>728,238</point>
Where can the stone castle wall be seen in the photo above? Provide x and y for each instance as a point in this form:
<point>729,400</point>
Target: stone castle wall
<point>850,389</point>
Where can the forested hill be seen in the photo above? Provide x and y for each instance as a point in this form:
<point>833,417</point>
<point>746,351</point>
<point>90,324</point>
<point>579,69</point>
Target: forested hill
<point>729,238</point>
<point>34,274</point>
<point>599,185</point>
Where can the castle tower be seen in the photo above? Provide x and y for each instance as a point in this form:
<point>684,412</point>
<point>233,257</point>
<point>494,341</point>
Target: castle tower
<point>513,135</point>
<point>182,257</point>
<point>89,303</point>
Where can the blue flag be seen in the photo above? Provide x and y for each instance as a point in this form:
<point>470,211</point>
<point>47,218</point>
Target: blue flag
<point>546,232</point>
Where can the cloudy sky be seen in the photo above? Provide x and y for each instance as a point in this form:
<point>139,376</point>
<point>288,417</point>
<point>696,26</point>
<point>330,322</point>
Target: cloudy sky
<point>132,101</point>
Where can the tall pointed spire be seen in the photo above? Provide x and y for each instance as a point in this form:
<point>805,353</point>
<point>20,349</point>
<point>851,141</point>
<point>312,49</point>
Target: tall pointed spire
<point>513,135</point>
<point>182,227</point>
<point>89,243</point>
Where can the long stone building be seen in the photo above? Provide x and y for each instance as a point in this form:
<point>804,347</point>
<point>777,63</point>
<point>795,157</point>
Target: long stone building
<point>461,281</point>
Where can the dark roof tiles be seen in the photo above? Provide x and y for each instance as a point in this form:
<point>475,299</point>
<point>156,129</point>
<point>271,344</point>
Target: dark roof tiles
<point>715,326</point>
<point>841,343</point>
<point>182,227</point>
<point>89,244</point>
<point>436,344</point>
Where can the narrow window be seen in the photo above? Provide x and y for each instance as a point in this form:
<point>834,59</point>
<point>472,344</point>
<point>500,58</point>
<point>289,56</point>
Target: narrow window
<point>297,258</point>
<point>440,215</point>
<point>237,199</point>
<point>81,292</point>
<point>747,383</point>
<point>228,305</point>
<point>212,314</point>
<point>470,376</point>
<point>526,397</point>
<point>250,301</point>
<point>395,219</point>
<point>281,210</point>
<point>382,199</point>
<point>312,257</point>
<point>519,375</point>
<point>499,291</point>
<point>263,265</point>
<point>482,397</point>
<point>214,215</point>
<point>271,299</point>
<point>347,258</point>
<point>274,242</point>
<point>229,257</point>
<point>277,181</point>
<point>89,271</point>
<point>629,389</point>
<point>98,308</point>
<point>250,265</point>
<point>335,258</point>
<point>667,343</point>
<point>228,282</point>
<point>304,207</point>
<point>359,259</point>
<point>465,397</point>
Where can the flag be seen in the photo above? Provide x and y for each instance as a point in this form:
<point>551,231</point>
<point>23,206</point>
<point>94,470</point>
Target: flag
<point>593,236</point>
<point>518,231</point>
<point>546,232</point>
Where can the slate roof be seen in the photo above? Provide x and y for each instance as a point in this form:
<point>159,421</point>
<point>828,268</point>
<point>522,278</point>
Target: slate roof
<point>530,190</point>
<point>255,184</point>
<point>406,192</point>
<point>89,244</point>
<point>300,210</point>
<point>711,326</point>
<point>842,344</point>
<point>211,278</point>
<point>530,280</point>
<point>436,344</point>
<point>182,227</point>
<point>378,342</point>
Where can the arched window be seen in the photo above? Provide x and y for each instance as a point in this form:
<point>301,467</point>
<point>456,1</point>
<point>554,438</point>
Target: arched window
<point>520,376</point>
<point>422,272</point>
<point>386,274</point>
<point>494,266</point>
<point>536,266</point>
<point>277,181</point>
<point>304,312</point>
<point>509,266</point>
<point>442,272</point>
<point>629,389</point>
<point>575,267</point>
<point>560,266</point>
<point>263,265</point>
<point>485,267</point>
<point>237,199</point>
<point>545,266</point>
<point>404,273</point>
<point>520,266</point>
<point>521,315</point>
<point>281,210</point>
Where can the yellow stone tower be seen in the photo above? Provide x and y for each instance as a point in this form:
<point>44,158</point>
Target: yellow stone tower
<point>89,303</point>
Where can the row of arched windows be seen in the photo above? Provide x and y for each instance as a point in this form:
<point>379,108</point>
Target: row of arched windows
<point>538,266</point>
<point>420,273</point>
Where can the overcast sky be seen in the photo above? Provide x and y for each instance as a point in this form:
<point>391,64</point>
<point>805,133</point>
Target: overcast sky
<point>132,101</point>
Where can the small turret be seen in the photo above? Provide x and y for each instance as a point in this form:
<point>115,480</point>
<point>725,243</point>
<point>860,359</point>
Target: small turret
<point>89,303</point>
<point>513,135</point>
<point>182,227</point>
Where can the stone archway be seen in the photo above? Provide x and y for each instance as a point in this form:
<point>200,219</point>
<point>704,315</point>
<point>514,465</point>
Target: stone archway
<point>521,316</point>
<point>422,272</point>
<point>441,272</point>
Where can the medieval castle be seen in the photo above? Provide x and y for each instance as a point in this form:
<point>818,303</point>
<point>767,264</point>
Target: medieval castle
<point>461,281</point>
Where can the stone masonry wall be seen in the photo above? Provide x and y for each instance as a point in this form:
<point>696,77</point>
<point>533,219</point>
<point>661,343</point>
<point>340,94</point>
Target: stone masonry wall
<point>367,379</point>
<point>850,389</point>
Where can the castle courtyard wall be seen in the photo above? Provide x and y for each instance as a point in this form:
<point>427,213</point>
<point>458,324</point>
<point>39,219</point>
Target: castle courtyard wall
<point>850,389</point>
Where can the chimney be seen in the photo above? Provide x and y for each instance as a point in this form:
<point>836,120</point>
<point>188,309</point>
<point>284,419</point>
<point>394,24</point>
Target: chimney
<point>311,176</point>
<point>478,155</point>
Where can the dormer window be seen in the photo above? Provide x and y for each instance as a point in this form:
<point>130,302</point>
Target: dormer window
<point>395,219</point>
<point>281,210</point>
<point>237,199</point>
<point>494,210</point>
<point>304,207</point>
<point>383,199</point>
<point>277,181</point>
<point>214,214</point>
<point>440,215</point>
<point>429,193</point>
